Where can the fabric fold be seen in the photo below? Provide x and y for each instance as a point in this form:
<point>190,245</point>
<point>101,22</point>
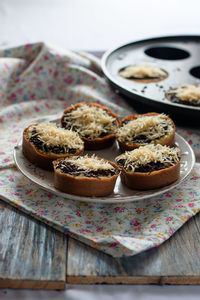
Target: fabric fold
<point>38,80</point>
<point>121,229</point>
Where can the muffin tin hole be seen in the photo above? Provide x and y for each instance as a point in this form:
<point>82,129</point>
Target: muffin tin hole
<point>168,53</point>
<point>195,72</point>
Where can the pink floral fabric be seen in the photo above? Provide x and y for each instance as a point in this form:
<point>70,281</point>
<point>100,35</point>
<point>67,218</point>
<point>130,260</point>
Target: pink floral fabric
<point>37,80</point>
<point>118,229</point>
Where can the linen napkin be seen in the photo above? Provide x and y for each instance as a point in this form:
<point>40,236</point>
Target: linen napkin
<point>38,80</point>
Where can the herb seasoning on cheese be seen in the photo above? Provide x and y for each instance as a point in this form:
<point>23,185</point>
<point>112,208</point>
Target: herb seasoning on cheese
<point>90,121</point>
<point>49,138</point>
<point>145,129</point>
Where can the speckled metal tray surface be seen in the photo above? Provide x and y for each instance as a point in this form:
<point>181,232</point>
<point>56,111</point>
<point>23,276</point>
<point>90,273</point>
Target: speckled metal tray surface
<point>179,56</point>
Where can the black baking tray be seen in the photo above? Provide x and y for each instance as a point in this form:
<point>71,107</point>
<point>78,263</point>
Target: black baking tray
<point>178,55</point>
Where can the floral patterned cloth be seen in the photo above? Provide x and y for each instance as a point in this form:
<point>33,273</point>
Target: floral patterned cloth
<point>59,78</point>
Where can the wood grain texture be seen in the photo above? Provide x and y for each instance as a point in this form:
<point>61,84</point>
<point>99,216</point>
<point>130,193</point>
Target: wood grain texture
<point>177,261</point>
<point>32,255</point>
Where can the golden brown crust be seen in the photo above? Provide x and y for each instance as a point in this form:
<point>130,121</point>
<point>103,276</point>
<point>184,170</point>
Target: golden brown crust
<point>98,143</point>
<point>152,180</point>
<point>168,141</point>
<point>38,158</point>
<point>84,186</point>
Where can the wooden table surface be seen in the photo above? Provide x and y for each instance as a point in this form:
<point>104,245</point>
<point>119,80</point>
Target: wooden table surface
<point>33,255</point>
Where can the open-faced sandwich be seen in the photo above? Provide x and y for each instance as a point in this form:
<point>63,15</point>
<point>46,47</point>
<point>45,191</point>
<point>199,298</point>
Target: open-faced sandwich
<point>95,124</point>
<point>187,94</point>
<point>149,167</point>
<point>85,175</point>
<point>45,142</point>
<point>144,129</point>
<point>143,73</point>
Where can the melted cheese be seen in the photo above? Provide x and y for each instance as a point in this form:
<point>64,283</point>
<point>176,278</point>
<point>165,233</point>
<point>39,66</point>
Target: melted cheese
<point>89,163</point>
<point>90,121</point>
<point>153,127</point>
<point>142,71</point>
<point>52,135</point>
<point>187,92</point>
<point>149,153</point>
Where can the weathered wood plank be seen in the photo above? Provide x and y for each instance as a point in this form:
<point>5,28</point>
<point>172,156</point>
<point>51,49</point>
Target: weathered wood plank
<point>177,261</point>
<point>32,255</point>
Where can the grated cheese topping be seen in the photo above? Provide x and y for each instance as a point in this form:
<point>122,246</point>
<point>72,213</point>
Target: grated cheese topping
<point>147,154</point>
<point>153,127</point>
<point>90,121</point>
<point>51,135</point>
<point>142,71</point>
<point>89,163</point>
<point>187,92</point>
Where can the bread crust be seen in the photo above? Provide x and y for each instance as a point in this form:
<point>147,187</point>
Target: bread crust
<point>38,158</point>
<point>166,140</point>
<point>151,180</point>
<point>97,143</point>
<point>84,186</point>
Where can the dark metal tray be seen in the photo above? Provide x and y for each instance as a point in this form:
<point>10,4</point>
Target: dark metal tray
<point>178,55</point>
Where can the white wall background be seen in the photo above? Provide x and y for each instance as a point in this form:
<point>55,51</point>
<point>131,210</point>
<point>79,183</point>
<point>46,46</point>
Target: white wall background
<point>94,24</point>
